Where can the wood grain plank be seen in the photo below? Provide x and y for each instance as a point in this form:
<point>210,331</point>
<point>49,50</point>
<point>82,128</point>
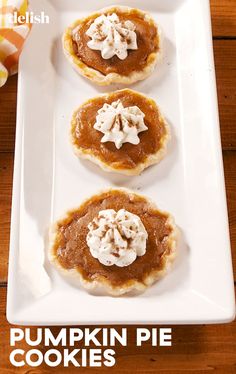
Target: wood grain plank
<point>6,170</point>
<point>229,159</point>
<point>225,60</point>
<point>195,349</point>
<point>6,165</point>
<point>223,14</point>
<point>8,114</point>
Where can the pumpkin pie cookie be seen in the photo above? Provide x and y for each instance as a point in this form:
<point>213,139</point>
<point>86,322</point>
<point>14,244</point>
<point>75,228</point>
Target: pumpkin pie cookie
<point>123,131</point>
<point>114,45</point>
<point>117,240</point>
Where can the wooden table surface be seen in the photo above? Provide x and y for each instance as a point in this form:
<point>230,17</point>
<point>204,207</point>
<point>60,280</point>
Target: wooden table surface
<point>195,348</point>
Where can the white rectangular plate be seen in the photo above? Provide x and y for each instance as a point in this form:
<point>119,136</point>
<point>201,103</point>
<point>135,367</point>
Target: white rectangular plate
<point>189,182</point>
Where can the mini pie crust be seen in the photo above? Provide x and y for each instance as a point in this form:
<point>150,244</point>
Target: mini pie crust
<point>151,159</point>
<point>102,282</point>
<point>95,75</point>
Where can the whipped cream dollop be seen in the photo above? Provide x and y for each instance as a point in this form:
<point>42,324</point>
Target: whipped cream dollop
<point>111,36</point>
<point>116,238</point>
<point>120,125</point>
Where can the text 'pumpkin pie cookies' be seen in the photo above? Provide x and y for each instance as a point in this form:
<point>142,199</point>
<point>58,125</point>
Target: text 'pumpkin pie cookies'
<point>123,131</point>
<point>114,45</point>
<point>116,240</point>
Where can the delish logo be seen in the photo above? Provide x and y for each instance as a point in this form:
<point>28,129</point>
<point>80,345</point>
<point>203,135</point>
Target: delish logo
<point>29,17</point>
